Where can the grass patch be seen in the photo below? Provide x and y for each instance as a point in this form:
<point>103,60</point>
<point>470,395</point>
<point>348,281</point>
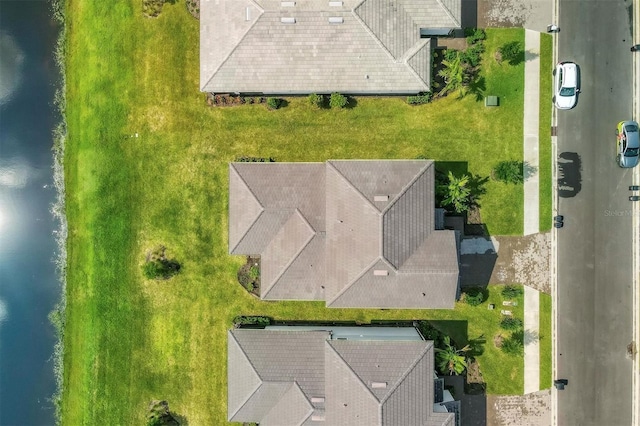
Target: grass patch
<point>129,340</point>
<point>544,141</point>
<point>545,341</point>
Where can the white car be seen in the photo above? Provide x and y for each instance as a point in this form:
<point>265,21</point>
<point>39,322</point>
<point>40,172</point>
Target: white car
<point>566,85</point>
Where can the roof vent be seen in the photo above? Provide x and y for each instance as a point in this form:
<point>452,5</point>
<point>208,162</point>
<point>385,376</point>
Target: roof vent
<point>287,20</point>
<point>335,4</point>
<point>287,3</point>
<point>336,20</point>
<point>248,15</point>
<point>317,418</point>
<point>380,197</point>
<point>380,272</point>
<point>379,385</point>
<point>317,399</point>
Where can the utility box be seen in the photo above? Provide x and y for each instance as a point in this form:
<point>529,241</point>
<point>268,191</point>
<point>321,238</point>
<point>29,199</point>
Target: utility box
<point>491,101</point>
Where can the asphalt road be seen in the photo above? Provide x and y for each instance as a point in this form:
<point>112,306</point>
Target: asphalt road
<point>594,247</point>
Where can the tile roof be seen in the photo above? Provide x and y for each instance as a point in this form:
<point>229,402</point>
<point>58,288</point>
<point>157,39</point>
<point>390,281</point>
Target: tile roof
<point>374,46</point>
<point>353,233</point>
<point>361,382</point>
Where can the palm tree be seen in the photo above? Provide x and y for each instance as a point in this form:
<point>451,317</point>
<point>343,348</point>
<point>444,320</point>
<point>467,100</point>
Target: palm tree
<point>453,74</point>
<point>458,193</point>
<point>451,360</point>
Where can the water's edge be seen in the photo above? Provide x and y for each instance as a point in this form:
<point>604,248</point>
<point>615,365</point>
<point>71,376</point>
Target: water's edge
<point>57,316</point>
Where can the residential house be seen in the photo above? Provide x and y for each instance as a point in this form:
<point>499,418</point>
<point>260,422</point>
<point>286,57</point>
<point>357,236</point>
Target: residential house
<point>335,376</point>
<point>358,234</point>
<point>321,46</point>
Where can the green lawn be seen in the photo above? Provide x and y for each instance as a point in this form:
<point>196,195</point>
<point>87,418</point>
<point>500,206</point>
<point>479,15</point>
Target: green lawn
<point>129,340</point>
<point>545,160</point>
<point>545,341</point>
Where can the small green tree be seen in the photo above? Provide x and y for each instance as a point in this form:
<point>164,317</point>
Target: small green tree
<point>159,414</point>
<point>457,194</point>
<point>512,52</point>
<point>509,171</point>
<point>514,344</point>
<point>158,266</point>
<point>473,296</point>
<point>452,74</point>
<point>338,101</point>
<point>451,360</point>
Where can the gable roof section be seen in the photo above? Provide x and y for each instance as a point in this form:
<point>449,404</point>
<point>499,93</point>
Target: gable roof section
<point>353,232</point>
<point>372,382</point>
<point>245,47</point>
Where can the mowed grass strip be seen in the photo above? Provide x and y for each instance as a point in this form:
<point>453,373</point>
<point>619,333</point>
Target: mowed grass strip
<point>544,142</point>
<point>546,339</point>
<point>129,340</point>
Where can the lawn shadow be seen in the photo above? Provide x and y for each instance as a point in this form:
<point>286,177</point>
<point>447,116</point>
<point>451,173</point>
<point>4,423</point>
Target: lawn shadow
<point>352,102</point>
<point>477,88</point>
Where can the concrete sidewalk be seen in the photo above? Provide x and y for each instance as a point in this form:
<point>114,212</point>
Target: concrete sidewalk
<point>531,131</point>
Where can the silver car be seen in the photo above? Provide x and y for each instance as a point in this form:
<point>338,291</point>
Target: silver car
<point>628,144</point>
<point>566,85</point>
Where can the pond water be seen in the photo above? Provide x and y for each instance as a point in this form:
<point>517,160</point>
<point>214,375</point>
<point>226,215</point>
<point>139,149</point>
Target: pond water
<point>29,288</point>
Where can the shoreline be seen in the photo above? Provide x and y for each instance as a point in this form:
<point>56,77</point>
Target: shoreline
<point>59,134</point>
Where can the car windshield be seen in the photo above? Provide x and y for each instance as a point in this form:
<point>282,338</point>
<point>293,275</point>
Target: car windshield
<point>631,128</point>
<point>567,91</point>
<point>631,152</point>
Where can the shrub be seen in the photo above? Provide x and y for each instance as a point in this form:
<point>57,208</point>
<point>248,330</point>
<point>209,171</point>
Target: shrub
<point>450,54</point>
<point>509,172</point>
<point>161,269</point>
<point>254,272</point>
<point>511,292</point>
<point>512,52</point>
<point>152,8</point>
<point>255,159</point>
<point>250,320</point>
<point>474,296</point>
<point>474,35</point>
<point>316,100</point>
<point>510,323</point>
<point>274,103</point>
<point>514,345</point>
<point>338,101</point>
<point>473,55</point>
<point>429,332</point>
<point>423,98</point>
<point>158,267</point>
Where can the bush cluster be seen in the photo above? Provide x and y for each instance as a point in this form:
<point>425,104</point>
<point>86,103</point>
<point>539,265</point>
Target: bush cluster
<point>474,296</point>
<point>511,292</point>
<point>514,344</point>
<point>245,159</point>
<point>423,98</point>
<point>338,101</point>
<point>316,100</point>
<point>509,172</point>
<point>158,266</point>
<point>512,52</point>
<point>274,103</point>
<point>251,320</point>
<point>510,323</point>
<point>474,35</point>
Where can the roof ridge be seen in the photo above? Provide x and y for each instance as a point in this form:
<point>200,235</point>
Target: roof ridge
<point>297,255</point>
<point>353,373</point>
<point>404,190</point>
<point>370,31</point>
<point>364,197</point>
<point>448,12</point>
<point>409,370</point>
<point>257,200</point>
<point>254,370</point>
<point>215,71</point>
<point>421,45</point>
<point>357,278</point>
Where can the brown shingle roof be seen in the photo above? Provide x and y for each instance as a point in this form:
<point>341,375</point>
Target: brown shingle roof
<point>363,382</point>
<point>372,50</point>
<point>327,231</point>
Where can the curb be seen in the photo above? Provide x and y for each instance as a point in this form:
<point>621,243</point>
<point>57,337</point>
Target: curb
<point>635,230</point>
